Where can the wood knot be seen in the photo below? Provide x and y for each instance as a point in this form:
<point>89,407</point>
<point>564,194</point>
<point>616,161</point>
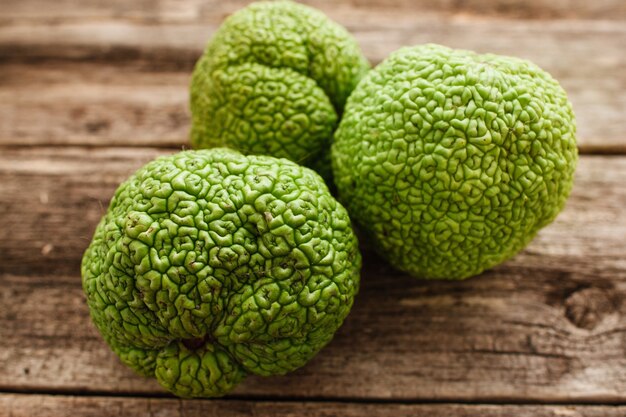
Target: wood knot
<point>587,307</point>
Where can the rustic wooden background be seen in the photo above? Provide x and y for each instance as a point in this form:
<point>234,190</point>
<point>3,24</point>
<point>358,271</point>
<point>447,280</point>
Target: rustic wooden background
<point>92,89</point>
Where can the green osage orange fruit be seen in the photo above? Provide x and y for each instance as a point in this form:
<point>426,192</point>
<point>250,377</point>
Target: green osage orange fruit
<point>210,265</point>
<point>272,81</point>
<point>452,161</point>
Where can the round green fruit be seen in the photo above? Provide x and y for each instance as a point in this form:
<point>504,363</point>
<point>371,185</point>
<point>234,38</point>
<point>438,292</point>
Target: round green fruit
<point>272,81</point>
<point>210,265</point>
<point>452,161</point>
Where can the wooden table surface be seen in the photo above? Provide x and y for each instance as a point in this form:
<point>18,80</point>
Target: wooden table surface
<point>92,89</point>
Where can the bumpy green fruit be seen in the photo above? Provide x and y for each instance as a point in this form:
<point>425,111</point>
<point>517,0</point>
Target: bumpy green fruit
<point>272,81</point>
<point>210,265</point>
<point>452,161</point>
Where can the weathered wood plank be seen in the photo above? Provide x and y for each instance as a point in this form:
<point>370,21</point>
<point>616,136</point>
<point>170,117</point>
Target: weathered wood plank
<point>549,325</point>
<point>139,104</point>
<point>93,104</point>
<point>206,10</point>
<point>21,405</point>
<point>554,44</point>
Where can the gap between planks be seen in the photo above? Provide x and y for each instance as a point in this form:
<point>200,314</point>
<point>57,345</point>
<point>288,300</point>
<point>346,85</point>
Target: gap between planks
<point>477,401</point>
<point>189,11</point>
<point>66,406</point>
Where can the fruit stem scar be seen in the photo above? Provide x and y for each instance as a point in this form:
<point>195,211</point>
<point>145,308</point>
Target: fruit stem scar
<point>196,342</point>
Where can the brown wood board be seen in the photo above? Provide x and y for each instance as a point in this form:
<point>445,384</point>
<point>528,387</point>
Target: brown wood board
<point>91,90</point>
<point>127,82</point>
<point>549,325</point>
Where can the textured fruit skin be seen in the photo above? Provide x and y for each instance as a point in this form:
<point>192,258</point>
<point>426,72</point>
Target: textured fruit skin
<point>452,161</point>
<point>210,265</point>
<point>272,81</point>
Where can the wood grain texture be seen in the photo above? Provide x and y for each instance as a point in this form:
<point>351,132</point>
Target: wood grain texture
<point>561,46</point>
<point>548,326</point>
<point>151,46</point>
<point>91,90</point>
<point>186,11</point>
<point>93,104</point>
<point>16,405</point>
